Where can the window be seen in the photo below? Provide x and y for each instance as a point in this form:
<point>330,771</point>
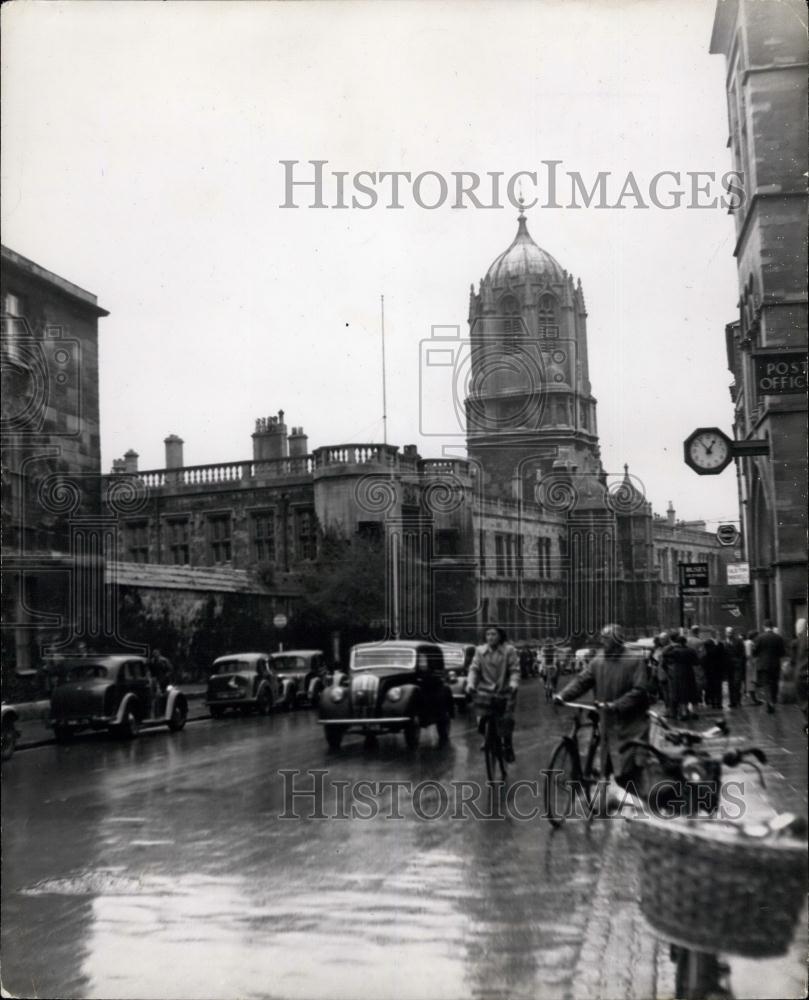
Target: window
<point>14,307</point>
<point>137,541</point>
<point>509,567</point>
<point>370,531</point>
<point>518,554</point>
<point>512,324</point>
<point>548,327</point>
<point>178,535</point>
<point>219,538</point>
<point>307,538</point>
<point>264,536</point>
<point>499,563</point>
<point>544,557</point>
<point>447,542</point>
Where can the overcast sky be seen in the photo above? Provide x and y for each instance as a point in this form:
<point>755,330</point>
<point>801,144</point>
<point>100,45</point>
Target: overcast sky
<point>141,160</point>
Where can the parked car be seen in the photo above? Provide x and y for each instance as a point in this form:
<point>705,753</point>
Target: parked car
<point>10,734</point>
<point>302,674</point>
<point>244,682</point>
<point>113,692</point>
<point>391,687</point>
<point>457,660</point>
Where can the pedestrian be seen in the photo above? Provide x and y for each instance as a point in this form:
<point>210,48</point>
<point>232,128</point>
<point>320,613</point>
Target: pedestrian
<point>714,666</point>
<point>160,669</point>
<point>769,649</point>
<point>617,677</point>
<point>750,667</point>
<point>495,669</point>
<point>735,665</point>
<point>681,663</point>
<point>662,642</point>
<point>800,666</point>
<point>695,643</point>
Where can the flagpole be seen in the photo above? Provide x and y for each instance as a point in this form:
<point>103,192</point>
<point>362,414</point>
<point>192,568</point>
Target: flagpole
<point>384,377</point>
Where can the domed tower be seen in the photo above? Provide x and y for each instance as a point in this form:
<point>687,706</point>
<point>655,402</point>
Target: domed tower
<point>529,407</point>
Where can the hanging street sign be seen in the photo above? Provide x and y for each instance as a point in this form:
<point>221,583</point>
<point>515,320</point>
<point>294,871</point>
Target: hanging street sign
<point>280,620</point>
<point>727,534</point>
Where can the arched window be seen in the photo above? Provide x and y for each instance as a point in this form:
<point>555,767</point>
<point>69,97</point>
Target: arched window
<point>548,321</point>
<point>512,324</point>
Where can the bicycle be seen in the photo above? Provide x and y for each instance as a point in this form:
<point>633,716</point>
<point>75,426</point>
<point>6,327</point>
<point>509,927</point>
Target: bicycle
<point>494,749</point>
<point>567,777</point>
<point>691,774</point>
<point>550,680</point>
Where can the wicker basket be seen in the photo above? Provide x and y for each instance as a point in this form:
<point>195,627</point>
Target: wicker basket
<point>706,886</point>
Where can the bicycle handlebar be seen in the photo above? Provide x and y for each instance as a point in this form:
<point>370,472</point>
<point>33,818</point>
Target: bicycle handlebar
<point>593,707</point>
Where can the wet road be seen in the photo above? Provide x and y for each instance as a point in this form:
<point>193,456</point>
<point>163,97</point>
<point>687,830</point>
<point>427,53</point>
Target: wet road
<point>164,868</point>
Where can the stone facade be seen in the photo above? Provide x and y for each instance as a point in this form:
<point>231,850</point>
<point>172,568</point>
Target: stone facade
<point>53,541</point>
<point>764,44</point>
<point>530,531</point>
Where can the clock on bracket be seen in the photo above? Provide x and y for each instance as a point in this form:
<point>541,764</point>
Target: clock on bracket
<point>708,451</point>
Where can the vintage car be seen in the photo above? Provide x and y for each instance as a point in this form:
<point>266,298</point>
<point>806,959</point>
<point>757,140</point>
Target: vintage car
<point>113,692</point>
<point>457,660</point>
<point>244,682</point>
<point>10,733</point>
<point>391,687</point>
<point>302,675</point>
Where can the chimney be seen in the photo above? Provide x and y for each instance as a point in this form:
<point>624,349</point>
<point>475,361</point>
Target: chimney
<point>174,451</point>
<point>118,466</point>
<point>298,443</point>
<point>670,514</point>
<point>411,452</point>
<point>130,461</point>
<point>270,438</point>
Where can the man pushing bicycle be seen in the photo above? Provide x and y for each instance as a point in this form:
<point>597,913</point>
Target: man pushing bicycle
<point>618,679</point>
<point>495,670</point>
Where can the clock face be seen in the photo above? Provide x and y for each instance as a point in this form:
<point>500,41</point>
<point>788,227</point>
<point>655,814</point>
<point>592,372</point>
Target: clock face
<point>709,450</point>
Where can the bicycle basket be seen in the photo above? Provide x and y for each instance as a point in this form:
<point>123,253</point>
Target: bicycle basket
<point>706,886</point>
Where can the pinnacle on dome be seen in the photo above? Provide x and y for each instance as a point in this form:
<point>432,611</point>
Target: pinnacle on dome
<point>523,259</point>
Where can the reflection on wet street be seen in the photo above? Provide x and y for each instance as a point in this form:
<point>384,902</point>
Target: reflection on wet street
<point>172,873</point>
<point>174,866</point>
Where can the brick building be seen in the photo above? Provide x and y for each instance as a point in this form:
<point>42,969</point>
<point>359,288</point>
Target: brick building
<point>764,45</point>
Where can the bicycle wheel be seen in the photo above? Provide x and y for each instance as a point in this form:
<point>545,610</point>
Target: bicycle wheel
<point>562,782</point>
<point>493,751</point>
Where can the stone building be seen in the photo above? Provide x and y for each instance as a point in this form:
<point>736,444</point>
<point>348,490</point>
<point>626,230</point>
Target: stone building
<point>529,530</point>
<point>53,539</point>
<point>764,45</point>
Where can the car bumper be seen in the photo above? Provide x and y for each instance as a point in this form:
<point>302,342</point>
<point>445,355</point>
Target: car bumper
<point>385,722</point>
<point>88,722</point>
<point>230,702</point>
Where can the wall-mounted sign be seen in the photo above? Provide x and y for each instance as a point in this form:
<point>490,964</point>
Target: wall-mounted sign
<point>739,574</point>
<point>693,578</point>
<point>727,534</point>
<point>779,373</point>
<point>280,620</point>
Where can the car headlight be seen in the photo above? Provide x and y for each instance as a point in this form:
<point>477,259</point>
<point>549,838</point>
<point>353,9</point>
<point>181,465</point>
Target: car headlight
<point>338,694</point>
<point>394,694</point>
<point>452,677</point>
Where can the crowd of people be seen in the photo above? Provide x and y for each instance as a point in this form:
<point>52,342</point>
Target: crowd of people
<point>690,670</point>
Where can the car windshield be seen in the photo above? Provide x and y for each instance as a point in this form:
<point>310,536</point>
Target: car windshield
<point>231,666</point>
<point>369,659</point>
<point>283,663</point>
<point>86,671</point>
<point>454,659</point>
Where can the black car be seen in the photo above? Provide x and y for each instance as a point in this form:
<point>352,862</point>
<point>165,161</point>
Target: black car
<point>112,692</point>
<point>391,687</point>
<point>243,682</point>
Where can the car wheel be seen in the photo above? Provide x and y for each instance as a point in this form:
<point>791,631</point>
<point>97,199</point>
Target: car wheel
<point>9,739</point>
<point>443,727</point>
<point>179,716</point>
<point>130,727</point>
<point>334,736</point>
<point>216,713</point>
<point>412,733</point>
<point>264,702</point>
<point>62,734</point>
